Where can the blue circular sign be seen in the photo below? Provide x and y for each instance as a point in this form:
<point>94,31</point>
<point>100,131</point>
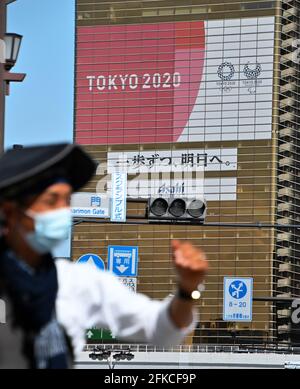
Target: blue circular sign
<point>93,259</point>
<point>238,289</point>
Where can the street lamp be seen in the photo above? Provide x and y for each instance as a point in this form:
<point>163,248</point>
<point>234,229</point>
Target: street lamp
<point>12,48</point>
<point>9,50</point>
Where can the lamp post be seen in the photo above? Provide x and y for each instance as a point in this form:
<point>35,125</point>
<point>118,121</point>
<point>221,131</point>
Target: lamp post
<point>9,49</point>
<point>3,4</point>
<point>12,48</point>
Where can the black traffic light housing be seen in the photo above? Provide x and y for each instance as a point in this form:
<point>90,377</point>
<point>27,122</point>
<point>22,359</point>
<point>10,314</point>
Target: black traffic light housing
<point>181,209</point>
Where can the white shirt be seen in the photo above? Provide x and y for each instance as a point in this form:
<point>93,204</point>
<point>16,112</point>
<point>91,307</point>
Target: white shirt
<point>88,297</point>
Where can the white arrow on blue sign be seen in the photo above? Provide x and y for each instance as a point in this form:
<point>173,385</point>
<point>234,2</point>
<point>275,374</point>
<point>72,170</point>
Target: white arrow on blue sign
<point>93,259</point>
<point>237,299</point>
<point>123,260</point>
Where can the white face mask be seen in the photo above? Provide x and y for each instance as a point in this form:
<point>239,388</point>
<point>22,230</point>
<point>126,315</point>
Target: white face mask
<point>50,228</point>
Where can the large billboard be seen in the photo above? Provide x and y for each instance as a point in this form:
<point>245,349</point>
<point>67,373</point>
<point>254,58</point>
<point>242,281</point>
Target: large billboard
<point>184,108</point>
<point>194,81</point>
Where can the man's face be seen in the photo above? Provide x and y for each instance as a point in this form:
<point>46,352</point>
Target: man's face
<point>55,197</point>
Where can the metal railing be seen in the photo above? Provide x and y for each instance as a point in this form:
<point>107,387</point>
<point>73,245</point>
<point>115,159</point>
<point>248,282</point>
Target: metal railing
<point>200,348</point>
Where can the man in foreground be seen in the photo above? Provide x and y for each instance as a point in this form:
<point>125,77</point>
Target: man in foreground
<point>52,303</point>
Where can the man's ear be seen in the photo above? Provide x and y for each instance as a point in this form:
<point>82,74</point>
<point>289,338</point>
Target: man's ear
<point>8,210</point>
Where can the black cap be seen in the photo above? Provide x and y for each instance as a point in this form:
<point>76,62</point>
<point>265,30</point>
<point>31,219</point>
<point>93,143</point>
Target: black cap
<point>31,170</point>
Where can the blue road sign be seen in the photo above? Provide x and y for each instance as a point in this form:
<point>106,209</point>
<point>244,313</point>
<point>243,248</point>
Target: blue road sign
<point>237,289</point>
<point>123,260</point>
<point>237,299</point>
<point>93,259</point>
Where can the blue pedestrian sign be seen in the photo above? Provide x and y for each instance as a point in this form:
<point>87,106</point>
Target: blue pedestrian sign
<point>237,299</point>
<point>92,259</point>
<point>237,289</point>
<point>123,260</point>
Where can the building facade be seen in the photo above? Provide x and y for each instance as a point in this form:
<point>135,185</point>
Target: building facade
<point>197,98</point>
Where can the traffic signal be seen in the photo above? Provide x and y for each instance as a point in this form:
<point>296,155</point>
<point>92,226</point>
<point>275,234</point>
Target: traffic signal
<point>122,355</point>
<point>180,208</point>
